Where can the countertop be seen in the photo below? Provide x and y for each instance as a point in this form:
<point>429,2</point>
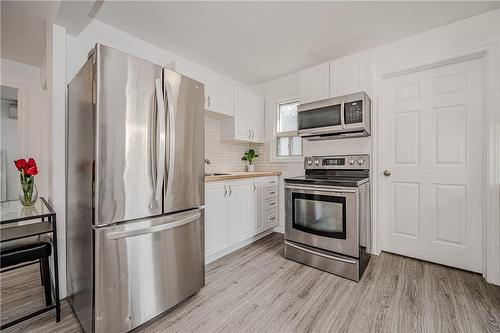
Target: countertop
<point>241,175</point>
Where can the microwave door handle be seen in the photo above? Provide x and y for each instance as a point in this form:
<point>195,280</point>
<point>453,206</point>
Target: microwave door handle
<point>171,136</point>
<point>160,168</point>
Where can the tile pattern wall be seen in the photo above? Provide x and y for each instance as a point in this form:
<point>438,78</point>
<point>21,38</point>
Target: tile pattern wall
<point>225,156</point>
<point>263,162</point>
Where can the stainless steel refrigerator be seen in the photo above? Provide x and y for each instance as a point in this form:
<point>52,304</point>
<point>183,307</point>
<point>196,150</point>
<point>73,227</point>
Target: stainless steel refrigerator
<point>135,190</point>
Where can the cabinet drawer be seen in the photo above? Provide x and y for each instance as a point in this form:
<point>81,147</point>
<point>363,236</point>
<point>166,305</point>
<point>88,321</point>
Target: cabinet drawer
<point>271,218</point>
<point>270,192</point>
<point>271,203</point>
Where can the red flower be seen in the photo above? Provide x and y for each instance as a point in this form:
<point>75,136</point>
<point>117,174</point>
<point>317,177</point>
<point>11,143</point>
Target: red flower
<point>31,171</point>
<point>21,164</point>
<point>31,162</point>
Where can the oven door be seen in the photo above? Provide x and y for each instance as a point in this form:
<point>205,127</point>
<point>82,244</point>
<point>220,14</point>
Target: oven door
<point>323,217</point>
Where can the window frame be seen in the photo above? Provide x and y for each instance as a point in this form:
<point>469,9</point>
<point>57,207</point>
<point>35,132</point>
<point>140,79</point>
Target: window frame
<point>274,149</point>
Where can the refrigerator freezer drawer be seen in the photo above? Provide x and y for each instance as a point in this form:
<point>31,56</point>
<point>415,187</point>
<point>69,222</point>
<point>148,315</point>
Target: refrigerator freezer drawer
<point>145,267</point>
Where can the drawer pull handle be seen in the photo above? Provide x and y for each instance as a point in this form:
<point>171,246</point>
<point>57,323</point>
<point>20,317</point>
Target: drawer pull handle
<point>272,203</point>
<point>272,218</point>
<point>272,192</point>
<point>272,182</point>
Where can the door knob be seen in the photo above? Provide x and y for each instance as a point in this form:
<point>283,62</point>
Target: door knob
<point>387,173</point>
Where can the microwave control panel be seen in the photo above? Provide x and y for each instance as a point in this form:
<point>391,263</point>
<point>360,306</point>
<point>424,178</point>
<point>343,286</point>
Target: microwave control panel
<point>353,112</point>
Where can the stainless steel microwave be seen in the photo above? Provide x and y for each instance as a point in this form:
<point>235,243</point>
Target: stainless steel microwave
<point>335,118</point>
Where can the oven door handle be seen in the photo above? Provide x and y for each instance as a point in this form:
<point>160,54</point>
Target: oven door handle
<point>319,189</point>
<point>321,254</point>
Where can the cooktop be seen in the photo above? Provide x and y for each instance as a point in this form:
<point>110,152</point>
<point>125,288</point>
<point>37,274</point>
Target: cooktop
<point>351,181</point>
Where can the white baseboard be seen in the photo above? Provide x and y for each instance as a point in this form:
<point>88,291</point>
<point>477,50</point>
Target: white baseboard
<point>237,246</point>
<point>280,229</point>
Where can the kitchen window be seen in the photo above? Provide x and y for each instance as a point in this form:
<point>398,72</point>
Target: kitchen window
<point>288,143</point>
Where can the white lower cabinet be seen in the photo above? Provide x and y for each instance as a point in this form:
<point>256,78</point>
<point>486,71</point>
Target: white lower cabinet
<point>236,211</point>
<point>216,218</point>
<point>240,202</point>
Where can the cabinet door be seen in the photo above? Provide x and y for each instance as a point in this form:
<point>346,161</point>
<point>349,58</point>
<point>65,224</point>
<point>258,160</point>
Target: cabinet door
<point>348,75</point>
<point>240,197</point>
<point>258,120</point>
<point>216,218</point>
<point>315,83</point>
<point>242,108</point>
<point>219,96</point>
<point>249,115</point>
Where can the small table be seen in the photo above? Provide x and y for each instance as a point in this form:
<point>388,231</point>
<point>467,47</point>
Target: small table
<point>15,222</point>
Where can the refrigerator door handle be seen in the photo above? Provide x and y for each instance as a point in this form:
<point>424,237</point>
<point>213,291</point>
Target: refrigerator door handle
<point>171,141</point>
<point>160,169</point>
<point>150,230</point>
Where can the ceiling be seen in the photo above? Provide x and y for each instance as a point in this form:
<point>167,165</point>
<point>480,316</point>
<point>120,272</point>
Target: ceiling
<point>254,42</point>
<point>23,29</point>
<point>251,42</point>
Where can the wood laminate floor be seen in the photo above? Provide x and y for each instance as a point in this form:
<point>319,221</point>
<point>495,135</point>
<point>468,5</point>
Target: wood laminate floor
<point>256,289</point>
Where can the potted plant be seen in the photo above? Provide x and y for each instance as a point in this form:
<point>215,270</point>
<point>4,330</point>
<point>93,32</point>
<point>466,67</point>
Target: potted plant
<point>249,156</point>
<point>28,193</point>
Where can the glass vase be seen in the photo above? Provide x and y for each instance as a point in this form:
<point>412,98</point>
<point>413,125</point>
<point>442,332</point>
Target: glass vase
<point>28,194</point>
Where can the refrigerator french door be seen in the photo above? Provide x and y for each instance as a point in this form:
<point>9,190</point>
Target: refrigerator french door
<point>146,267</point>
<point>135,222</point>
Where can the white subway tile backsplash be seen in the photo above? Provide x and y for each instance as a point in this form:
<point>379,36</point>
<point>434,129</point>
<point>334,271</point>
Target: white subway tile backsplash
<point>225,156</point>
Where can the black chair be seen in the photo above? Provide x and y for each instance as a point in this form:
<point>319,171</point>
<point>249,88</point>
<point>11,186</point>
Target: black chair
<point>22,253</point>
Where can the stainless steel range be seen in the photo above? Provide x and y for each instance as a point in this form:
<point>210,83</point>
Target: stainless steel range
<point>328,215</point>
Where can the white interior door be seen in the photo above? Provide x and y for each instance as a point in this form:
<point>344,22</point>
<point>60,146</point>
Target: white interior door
<point>431,143</point>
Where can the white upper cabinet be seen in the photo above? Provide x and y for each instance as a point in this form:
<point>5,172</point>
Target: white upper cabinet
<point>315,83</point>
<point>339,77</point>
<point>248,122</point>
<point>218,92</point>
<point>219,96</point>
<point>348,75</point>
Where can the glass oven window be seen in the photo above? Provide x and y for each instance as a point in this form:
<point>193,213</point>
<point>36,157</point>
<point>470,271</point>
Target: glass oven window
<point>319,214</point>
<point>321,117</point>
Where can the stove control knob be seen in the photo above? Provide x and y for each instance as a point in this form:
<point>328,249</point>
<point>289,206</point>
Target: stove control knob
<point>351,162</point>
<point>309,162</point>
<point>361,161</point>
<point>316,162</point>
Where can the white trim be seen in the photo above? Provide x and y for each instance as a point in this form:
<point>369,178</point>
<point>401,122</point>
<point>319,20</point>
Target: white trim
<point>274,158</point>
<point>491,227</point>
<point>22,119</point>
<point>280,229</point>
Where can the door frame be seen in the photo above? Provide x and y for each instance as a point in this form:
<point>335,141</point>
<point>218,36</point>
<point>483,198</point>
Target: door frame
<point>22,119</point>
<point>491,106</point>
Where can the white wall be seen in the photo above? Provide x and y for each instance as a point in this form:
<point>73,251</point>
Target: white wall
<point>56,122</point>
<point>454,39</point>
